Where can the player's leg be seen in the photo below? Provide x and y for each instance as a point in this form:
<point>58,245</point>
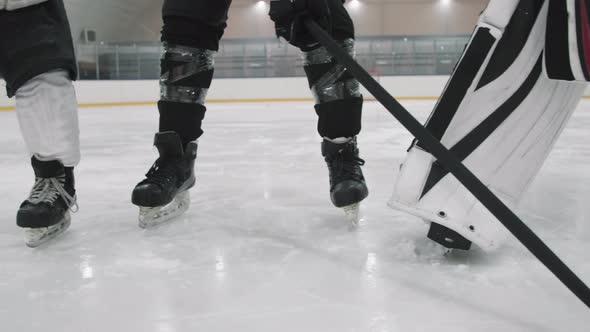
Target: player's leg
<point>38,63</point>
<point>338,106</point>
<point>191,33</point>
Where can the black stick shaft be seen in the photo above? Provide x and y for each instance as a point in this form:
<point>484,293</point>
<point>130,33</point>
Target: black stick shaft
<point>518,228</point>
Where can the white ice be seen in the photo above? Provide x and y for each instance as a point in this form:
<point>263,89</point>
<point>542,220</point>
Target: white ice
<point>263,250</point>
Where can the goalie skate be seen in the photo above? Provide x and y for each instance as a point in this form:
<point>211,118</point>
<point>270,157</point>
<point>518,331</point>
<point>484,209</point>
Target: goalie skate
<point>35,237</point>
<point>154,216</point>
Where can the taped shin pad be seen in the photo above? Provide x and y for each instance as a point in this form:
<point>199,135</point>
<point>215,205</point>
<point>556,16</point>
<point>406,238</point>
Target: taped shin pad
<point>337,94</point>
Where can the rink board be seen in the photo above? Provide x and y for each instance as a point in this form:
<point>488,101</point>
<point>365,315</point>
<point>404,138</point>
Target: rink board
<point>145,92</point>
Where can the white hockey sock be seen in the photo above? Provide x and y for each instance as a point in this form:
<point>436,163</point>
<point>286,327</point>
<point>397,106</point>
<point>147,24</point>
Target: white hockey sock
<point>47,111</point>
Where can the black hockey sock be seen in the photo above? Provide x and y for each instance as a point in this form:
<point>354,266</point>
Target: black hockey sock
<point>184,119</point>
<point>340,118</point>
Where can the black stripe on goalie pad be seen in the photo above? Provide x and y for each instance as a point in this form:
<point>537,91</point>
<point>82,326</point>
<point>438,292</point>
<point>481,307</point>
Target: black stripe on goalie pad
<point>515,36</point>
<point>465,73</point>
<point>557,57</point>
<point>474,139</point>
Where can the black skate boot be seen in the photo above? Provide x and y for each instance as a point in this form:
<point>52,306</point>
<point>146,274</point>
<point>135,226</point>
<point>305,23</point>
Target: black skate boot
<point>164,194</point>
<point>45,214</point>
<point>347,183</point>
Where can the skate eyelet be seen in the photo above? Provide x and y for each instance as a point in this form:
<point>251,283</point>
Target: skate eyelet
<point>442,214</point>
<point>472,228</point>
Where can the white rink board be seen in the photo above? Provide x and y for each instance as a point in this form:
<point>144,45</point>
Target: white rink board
<point>99,92</point>
<point>232,90</point>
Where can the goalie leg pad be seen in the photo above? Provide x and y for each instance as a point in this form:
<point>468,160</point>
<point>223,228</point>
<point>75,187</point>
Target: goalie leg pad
<point>35,40</point>
<point>502,125</point>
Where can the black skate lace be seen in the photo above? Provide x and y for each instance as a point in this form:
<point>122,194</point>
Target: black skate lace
<point>345,166</point>
<point>160,175</point>
<point>47,190</point>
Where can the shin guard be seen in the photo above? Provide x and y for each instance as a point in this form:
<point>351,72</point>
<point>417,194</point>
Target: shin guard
<point>186,76</point>
<point>337,93</point>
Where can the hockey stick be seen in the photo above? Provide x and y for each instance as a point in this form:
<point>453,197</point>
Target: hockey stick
<point>518,228</point>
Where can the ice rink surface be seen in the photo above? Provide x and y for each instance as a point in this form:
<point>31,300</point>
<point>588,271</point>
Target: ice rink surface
<point>263,250</point>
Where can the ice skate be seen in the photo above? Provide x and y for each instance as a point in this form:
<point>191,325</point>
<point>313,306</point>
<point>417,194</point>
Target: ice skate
<point>46,213</point>
<point>153,216</point>
<point>164,194</point>
<point>347,183</point>
<point>35,237</point>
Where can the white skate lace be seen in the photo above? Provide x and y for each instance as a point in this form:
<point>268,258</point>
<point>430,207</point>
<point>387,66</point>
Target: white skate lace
<point>47,190</point>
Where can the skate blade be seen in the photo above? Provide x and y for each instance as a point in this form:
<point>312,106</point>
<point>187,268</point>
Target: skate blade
<point>153,216</point>
<point>35,237</point>
<point>353,216</point>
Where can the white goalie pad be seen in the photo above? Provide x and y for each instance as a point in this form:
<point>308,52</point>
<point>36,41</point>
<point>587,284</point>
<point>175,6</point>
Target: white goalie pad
<point>499,114</point>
